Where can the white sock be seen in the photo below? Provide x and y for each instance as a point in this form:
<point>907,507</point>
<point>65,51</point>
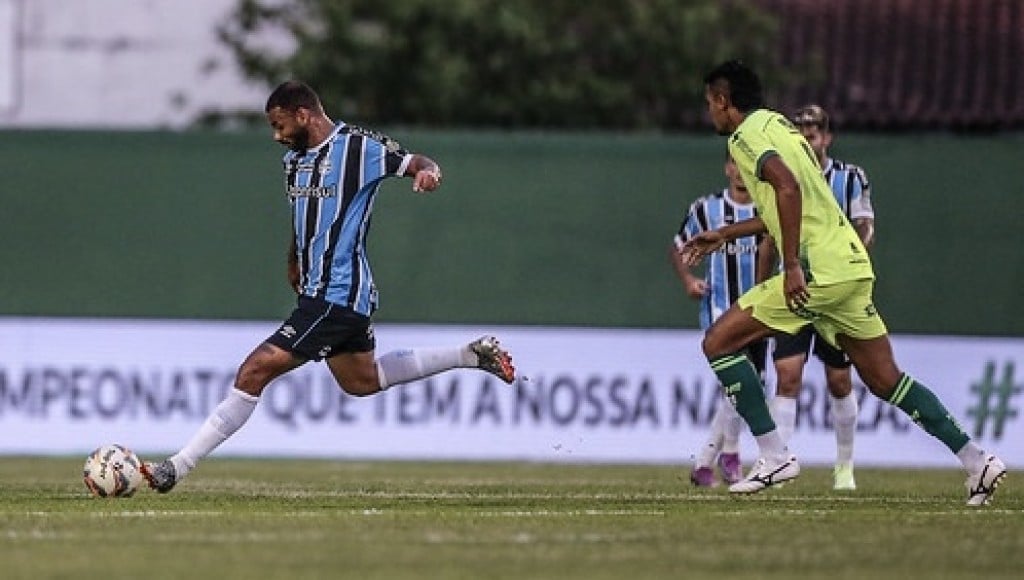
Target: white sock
<point>784,413</point>
<point>228,417</point>
<point>713,444</point>
<point>844,420</point>
<point>772,446</point>
<point>732,431</point>
<point>972,456</point>
<point>402,366</point>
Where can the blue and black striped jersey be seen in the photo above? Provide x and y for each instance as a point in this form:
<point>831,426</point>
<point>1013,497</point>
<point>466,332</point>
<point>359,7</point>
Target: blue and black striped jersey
<point>732,269</point>
<point>331,188</point>
<point>850,185</point>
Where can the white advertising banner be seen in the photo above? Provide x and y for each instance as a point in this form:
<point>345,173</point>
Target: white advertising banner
<point>8,59</point>
<point>603,395</point>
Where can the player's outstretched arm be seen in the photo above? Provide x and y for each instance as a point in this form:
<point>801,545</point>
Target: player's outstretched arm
<point>695,287</point>
<point>425,173</point>
<point>694,250</point>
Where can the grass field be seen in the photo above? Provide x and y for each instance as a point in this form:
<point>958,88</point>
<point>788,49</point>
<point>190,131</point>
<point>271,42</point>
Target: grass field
<point>328,519</point>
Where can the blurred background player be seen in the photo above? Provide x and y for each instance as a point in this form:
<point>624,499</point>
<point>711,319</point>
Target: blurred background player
<point>729,272</point>
<point>332,173</point>
<point>852,191</point>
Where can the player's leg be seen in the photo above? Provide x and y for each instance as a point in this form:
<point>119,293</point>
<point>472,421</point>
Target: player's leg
<point>729,463</point>
<point>789,357</point>
<point>359,374</point>
<point>312,329</point>
<point>702,474</point>
<point>864,338</point>
<point>265,363</point>
<point>746,321</point>
<point>842,408</point>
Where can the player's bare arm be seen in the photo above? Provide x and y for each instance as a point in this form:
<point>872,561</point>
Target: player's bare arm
<point>695,286</point>
<point>694,250</point>
<point>866,230</point>
<point>425,172</point>
<point>789,205</point>
<point>767,257</point>
<point>293,265</point>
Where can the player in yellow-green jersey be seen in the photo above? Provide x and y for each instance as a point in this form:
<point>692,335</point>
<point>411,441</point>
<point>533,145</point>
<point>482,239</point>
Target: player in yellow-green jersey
<point>826,280</point>
<point>829,250</point>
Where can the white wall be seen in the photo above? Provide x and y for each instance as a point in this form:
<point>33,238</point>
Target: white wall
<point>68,385</point>
<point>115,63</point>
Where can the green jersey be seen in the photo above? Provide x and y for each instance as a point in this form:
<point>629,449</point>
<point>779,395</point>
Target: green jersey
<point>830,250</point>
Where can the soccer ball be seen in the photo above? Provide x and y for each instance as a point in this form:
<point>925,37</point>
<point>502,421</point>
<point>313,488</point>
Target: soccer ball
<point>112,471</point>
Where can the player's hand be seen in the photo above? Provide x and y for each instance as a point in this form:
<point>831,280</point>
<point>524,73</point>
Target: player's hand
<point>696,289</point>
<point>426,180</point>
<point>694,249</point>
<point>794,285</point>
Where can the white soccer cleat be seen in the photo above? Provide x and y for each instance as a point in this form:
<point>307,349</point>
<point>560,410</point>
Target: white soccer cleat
<point>843,477</point>
<point>981,486</point>
<point>765,474</point>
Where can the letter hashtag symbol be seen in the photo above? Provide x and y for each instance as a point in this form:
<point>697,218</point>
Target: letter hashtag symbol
<point>994,400</point>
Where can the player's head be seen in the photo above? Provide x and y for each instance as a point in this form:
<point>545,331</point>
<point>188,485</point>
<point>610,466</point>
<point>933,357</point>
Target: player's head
<point>732,90</point>
<point>814,125</point>
<point>291,108</point>
<point>732,173</point>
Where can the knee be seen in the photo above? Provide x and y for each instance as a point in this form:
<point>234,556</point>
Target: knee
<point>789,373</point>
<point>880,381</point>
<point>712,344</point>
<point>258,369</point>
<point>789,387</point>
<point>252,377</point>
<point>839,382</point>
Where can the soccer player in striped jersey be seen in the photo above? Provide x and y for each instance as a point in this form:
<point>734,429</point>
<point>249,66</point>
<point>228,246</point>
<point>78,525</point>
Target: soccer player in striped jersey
<point>332,172</point>
<point>852,191</point>
<point>826,280</point>
<point>729,272</point>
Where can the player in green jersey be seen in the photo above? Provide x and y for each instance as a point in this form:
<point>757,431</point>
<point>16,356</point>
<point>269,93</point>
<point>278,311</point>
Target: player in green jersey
<point>826,280</point>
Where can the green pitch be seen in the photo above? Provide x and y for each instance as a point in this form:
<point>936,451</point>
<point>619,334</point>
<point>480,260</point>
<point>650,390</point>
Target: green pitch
<point>331,519</point>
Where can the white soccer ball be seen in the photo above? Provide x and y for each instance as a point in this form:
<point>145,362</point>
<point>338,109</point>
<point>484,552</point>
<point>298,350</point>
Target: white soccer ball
<point>112,471</point>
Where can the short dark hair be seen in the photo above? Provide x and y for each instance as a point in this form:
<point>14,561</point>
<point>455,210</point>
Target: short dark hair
<point>743,85</point>
<point>293,95</point>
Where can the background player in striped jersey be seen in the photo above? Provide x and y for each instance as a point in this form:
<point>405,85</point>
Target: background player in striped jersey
<point>853,193</point>
<point>332,173</point>
<point>729,272</point>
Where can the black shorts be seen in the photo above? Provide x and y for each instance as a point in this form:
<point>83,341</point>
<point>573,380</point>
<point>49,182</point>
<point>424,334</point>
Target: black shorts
<point>757,352</point>
<point>318,329</point>
<point>805,342</point>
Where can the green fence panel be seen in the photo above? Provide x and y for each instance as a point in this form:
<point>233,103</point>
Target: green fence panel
<point>529,228</point>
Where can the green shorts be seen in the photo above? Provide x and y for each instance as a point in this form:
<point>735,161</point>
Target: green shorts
<point>842,308</point>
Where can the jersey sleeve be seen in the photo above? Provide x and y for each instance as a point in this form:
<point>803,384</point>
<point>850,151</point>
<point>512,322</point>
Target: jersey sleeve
<point>395,158</point>
<point>860,201</point>
<point>383,152</point>
<point>692,225</point>
<point>750,149</point>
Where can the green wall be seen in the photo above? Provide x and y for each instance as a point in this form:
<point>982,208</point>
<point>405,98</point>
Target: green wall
<point>528,228</point>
